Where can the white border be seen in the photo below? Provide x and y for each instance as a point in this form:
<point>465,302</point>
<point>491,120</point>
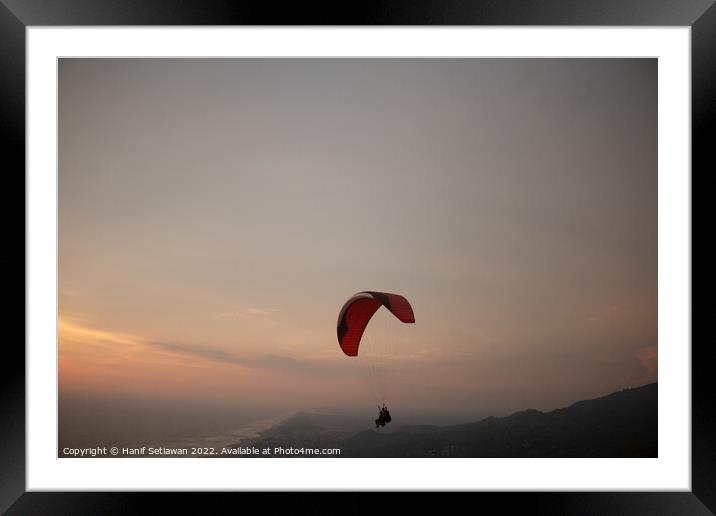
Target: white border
<point>671,471</point>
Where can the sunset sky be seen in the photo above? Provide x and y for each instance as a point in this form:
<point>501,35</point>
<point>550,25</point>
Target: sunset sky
<point>214,215</point>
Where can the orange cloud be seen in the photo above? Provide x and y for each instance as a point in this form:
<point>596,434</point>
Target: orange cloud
<point>648,357</point>
<point>98,361</point>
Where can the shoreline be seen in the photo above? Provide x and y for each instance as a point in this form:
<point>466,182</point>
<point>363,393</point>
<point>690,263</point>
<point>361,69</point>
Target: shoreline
<point>236,436</point>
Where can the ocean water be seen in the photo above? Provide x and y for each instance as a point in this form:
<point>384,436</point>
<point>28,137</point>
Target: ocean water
<point>93,421</point>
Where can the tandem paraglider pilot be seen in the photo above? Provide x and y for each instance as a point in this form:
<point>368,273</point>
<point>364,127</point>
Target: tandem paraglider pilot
<point>354,317</point>
<point>383,417</point>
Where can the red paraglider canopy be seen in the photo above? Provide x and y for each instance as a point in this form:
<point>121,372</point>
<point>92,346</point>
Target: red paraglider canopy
<point>357,312</point>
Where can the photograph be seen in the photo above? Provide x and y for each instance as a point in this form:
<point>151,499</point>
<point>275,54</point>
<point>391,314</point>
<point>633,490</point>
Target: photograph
<point>413,249</point>
<point>286,257</point>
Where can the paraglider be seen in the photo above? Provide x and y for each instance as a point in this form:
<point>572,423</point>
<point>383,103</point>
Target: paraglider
<point>357,312</point>
<point>383,417</point>
<point>353,320</point>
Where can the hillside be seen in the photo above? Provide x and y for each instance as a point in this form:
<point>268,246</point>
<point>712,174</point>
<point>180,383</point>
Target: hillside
<point>622,424</point>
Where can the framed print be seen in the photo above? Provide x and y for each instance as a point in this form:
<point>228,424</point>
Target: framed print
<point>409,249</point>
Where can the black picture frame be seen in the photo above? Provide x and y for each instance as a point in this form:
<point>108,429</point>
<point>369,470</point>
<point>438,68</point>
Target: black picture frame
<point>17,15</point>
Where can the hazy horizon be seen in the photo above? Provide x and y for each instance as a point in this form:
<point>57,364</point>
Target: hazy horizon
<point>214,215</point>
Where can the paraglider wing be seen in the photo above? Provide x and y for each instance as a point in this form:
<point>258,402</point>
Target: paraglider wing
<point>357,312</point>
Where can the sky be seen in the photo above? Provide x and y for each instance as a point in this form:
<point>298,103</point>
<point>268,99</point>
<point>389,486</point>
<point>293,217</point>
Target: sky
<point>214,215</point>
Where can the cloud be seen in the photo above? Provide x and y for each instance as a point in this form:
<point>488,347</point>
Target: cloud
<point>648,357</point>
<point>89,336</point>
<point>248,312</point>
<point>266,361</point>
<point>260,311</point>
<point>216,355</point>
<point>79,342</point>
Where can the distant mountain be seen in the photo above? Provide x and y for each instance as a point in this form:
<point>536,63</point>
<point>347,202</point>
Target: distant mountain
<point>622,424</point>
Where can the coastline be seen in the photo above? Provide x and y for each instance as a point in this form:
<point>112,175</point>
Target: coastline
<point>236,436</point>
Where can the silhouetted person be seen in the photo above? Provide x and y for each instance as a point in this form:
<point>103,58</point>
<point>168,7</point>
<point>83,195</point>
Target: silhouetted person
<point>383,417</point>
